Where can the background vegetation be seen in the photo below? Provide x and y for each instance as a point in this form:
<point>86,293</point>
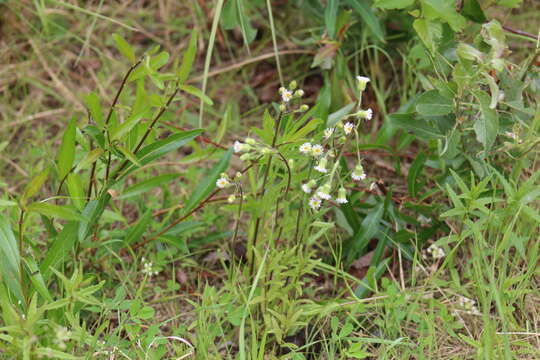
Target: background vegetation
<point>118,118</point>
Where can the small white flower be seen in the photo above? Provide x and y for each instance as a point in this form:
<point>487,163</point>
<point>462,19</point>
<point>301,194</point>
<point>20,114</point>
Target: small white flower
<point>317,150</point>
<point>148,268</point>
<point>315,203</point>
<point>365,114</point>
<point>324,192</point>
<point>435,251</point>
<point>342,196</point>
<point>362,82</point>
<point>358,173</point>
<point>321,166</point>
<point>423,220</point>
<point>305,148</point>
<point>372,186</point>
<point>328,133</point>
<point>240,147</point>
<point>306,188</point>
<point>286,95</point>
<point>222,182</point>
<point>348,127</point>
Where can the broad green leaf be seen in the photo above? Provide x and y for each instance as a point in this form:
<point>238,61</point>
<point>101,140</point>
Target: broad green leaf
<point>365,12</point>
<point>431,103</point>
<point>55,211</point>
<point>125,49</point>
<point>66,154</point>
<point>229,15</point>
<point>430,32</point>
<point>248,31</point>
<point>472,10</point>
<point>486,126</point>
<point>94,107</point>
<point>419,126</point>
<point>444,10</point>
<point>415,171</point>
<point>147,185</point>
<point>208,183</point>
<point>197,92</point>
<point>34,185</point>
<point>393,4</point>
<point>76,191</point>
<point>189,57</point>
<point>10,264</point>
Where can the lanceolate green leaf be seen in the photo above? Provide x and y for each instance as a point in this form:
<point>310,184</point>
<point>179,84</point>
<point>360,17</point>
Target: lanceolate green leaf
<point>147,185</point>
<point>34,185</point>
<point>159,148</point>
<point>135,233</point>
<point>364,11</point>
<point>66,154</point>
<point>369,228</point>
<point>60,250</point>
<point>94,107</point>
<point>125,49</point>
<point>189,57</point>
<point>198,93</point>
<point>414,172</point>
<point>208,183</point>
<point>55,211</point>
<point>10,263</point>
<point>393,4</point>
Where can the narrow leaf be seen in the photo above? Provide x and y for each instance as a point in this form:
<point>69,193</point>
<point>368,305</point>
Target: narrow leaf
<point>66,154</point>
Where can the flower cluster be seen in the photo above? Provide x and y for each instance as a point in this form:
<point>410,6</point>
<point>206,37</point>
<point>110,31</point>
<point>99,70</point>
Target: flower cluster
<point>148,268</point>
<point>289,94</point>
<point>328,184</point>
<point>468,304</point>
<point>436,252</point>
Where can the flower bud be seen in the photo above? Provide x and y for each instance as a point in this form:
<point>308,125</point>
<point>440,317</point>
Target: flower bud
<point>292,85</point>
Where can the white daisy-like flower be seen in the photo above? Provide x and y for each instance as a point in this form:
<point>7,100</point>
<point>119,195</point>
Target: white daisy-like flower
<point>306,188</point>
<point>315,203</point>
<point>358,173</point>
<point>328,132</point>
<point>317,150</point>
<point>286,95</point>
<point>324,192</point>
<point>305,148</point>
<point>222,182</point>
<point>362,82</point>
<point>342,196</point>
<point>321,166</point>
<point>348,127</point>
